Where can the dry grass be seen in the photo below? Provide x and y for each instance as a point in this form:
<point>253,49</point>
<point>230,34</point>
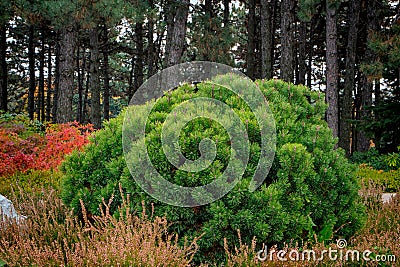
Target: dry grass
<point>381,233</point>
<point>52,236</point>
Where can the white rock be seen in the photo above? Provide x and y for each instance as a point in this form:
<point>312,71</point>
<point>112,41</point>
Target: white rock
<point>387,197</point>
<point>7,210</point>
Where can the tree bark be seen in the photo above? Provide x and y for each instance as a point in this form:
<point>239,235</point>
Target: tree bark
<point>266,40</point>
<point>208,29</point>
<point>367,84</point>
<point>138,71</point>
<point>106,71</point>
<point>3,71</point>
<point>87,86</point>
<point>32,78</point>
<point>251,39</point>
<point>302,53</point>
<point>130,79</point>
<point>287,40</point>
<point>41,110</point>
<point>95,111</point>
<point>151,54</point>
<point>226,13</point>
<point>56,79</point>
<point>332,71</point>
<point>274,22</point>
<point>179,32</point>
<point>377,90</point>
<point>310,53</point>
<point>169,19</point>
<point>79,113</point>
<point>346,110</point>
<point>66,72</point>
<point>49,82</point>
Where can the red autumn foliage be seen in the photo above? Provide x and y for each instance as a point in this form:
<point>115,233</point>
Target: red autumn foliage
<point>40,151</point>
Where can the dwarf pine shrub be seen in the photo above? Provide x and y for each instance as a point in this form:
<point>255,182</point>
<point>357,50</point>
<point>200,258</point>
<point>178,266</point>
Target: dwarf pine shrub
<point>310,191</point>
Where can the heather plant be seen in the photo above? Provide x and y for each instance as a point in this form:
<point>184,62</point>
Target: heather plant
<point>52,236</point>
<point>381,233</point>
<point>310,192</point>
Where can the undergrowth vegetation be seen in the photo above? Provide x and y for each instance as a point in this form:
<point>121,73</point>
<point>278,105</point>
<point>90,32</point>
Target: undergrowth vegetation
<point>389,180</point>
<point>382,169</point>
<point>52,236</point>
<point>380,236</point>
<point>33,146</point>
<point>31,152</point>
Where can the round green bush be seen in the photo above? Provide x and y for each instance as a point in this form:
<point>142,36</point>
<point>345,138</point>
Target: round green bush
<point>309,192</point>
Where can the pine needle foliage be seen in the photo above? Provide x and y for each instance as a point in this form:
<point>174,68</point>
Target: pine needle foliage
<point>309,194</point>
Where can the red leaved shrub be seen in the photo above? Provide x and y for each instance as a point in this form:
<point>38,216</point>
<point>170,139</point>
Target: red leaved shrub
<point>40,151</point>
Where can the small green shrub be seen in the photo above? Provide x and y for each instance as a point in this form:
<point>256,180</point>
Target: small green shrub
<point>372,157</point>
<point>389,180</point>
<point>376,160</point>
<point>21,124</point>
<point>310,190</point>
<point>393,159</point>
<point>30,181</point>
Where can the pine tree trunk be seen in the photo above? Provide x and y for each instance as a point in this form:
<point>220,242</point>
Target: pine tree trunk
<point>287,40</point>
<point>56,79</point>
<point>138,71</point>
<point>106,95</point>
<point>95,111</point>
<point>66,72</point>
<point>302,53</point>
<point>158,43</point>
<point>80,85</point>
<point>226,12</point>
<point>41,110</point>
<point>310,53</point>
<point>179,32</point>
<point>332,71</point>
<point>3,66</point>
<point>208,31</point>
<point>366,84</point>
<point>151,54</point>
<point>250,61</point>
<point>346,110</point>
<point>32,78</point>
<point>130,79</point>
<point>266,40</point>
<point>106,71</point>
<point>378,132</point>
<point>49,83</point>
<point>274,22</point>
<point>169,19</point>
<point>87,86</point>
